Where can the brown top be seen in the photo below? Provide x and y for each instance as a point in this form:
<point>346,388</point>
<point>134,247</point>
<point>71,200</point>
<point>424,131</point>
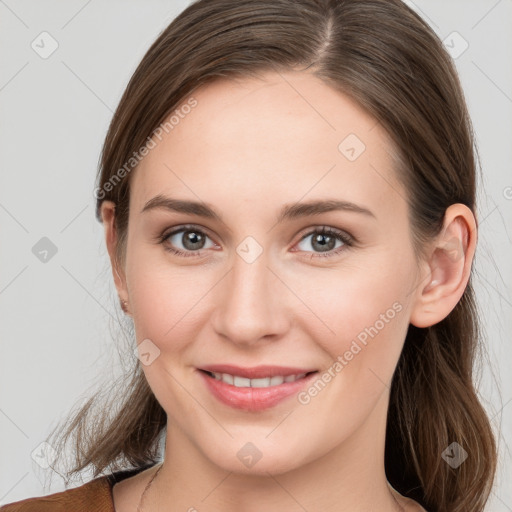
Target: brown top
<point>94,496</point>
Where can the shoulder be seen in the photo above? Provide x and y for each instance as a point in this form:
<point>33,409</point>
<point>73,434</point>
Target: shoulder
<point>412,506</point>
<point>94,496</point>
<point>407,504</point>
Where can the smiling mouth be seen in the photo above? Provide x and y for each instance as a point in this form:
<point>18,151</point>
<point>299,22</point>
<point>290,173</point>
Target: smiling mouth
<point>254,389</point>
<point>262,382</point>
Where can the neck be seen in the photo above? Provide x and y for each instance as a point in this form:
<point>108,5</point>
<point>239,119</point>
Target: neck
<point>349,477</point>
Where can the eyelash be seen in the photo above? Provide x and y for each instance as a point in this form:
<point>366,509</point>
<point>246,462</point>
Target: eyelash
<point>348,241</point>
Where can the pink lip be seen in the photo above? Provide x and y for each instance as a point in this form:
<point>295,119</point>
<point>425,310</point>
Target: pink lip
<point>254,399</point>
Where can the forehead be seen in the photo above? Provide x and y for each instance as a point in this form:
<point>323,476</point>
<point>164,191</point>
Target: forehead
<point>283,136</point>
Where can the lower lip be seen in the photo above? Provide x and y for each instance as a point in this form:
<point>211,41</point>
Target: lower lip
<point>253,399</point>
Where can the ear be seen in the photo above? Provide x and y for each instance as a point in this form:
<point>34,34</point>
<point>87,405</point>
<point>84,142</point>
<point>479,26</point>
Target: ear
<point>108,210</point>
<point>447,267</point>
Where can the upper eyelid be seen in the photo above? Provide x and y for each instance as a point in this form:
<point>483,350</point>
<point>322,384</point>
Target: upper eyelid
<point>187,227</point>
<point>328,230</point>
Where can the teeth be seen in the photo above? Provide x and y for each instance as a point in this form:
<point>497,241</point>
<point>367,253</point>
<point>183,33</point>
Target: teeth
<point>260,383</point>
<point>275,381</point>
<point>243,382</point>
<point>225,377</point>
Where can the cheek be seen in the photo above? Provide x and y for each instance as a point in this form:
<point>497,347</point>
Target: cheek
<point>168,302</point>
<point>360,315</point>
<point>369,318</point>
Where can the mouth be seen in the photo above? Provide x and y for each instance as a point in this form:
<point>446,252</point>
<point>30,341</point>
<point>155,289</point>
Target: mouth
<point>263,382</point>
<point>254,389</point>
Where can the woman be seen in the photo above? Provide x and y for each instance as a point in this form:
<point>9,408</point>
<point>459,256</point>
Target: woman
<point>288,195</point>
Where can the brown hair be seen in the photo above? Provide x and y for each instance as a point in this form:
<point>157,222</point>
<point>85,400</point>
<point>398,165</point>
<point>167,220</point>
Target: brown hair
<point>386,58</point>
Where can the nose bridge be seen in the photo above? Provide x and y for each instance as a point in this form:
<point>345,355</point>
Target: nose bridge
<point>249,307</point>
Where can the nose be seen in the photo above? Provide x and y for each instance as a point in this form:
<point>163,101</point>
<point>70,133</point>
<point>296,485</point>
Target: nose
<point>251,303</point>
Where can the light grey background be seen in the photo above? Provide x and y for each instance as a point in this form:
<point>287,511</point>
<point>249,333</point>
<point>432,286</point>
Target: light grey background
<point>56,317</point>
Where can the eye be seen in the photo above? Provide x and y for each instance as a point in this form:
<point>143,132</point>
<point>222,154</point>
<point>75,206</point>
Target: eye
<point>190,240</point>
<point>324,240</point>
<point>186,241</point>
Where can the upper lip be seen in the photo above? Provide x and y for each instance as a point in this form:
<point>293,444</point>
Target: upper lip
<point>256,372</point>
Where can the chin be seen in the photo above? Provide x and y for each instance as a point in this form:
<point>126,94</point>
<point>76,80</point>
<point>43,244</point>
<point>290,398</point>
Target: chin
<point>259,457</point>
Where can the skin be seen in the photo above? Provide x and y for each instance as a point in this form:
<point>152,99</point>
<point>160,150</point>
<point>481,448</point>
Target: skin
<point>249,147</point>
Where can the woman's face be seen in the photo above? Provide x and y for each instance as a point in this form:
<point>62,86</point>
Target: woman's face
<point>256,283</point>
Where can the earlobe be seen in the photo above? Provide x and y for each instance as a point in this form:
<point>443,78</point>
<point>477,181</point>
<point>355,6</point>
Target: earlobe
<point>448,268</point>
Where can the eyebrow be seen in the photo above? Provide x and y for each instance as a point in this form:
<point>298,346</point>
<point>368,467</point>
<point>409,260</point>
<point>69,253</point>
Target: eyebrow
<point>288,212</point>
